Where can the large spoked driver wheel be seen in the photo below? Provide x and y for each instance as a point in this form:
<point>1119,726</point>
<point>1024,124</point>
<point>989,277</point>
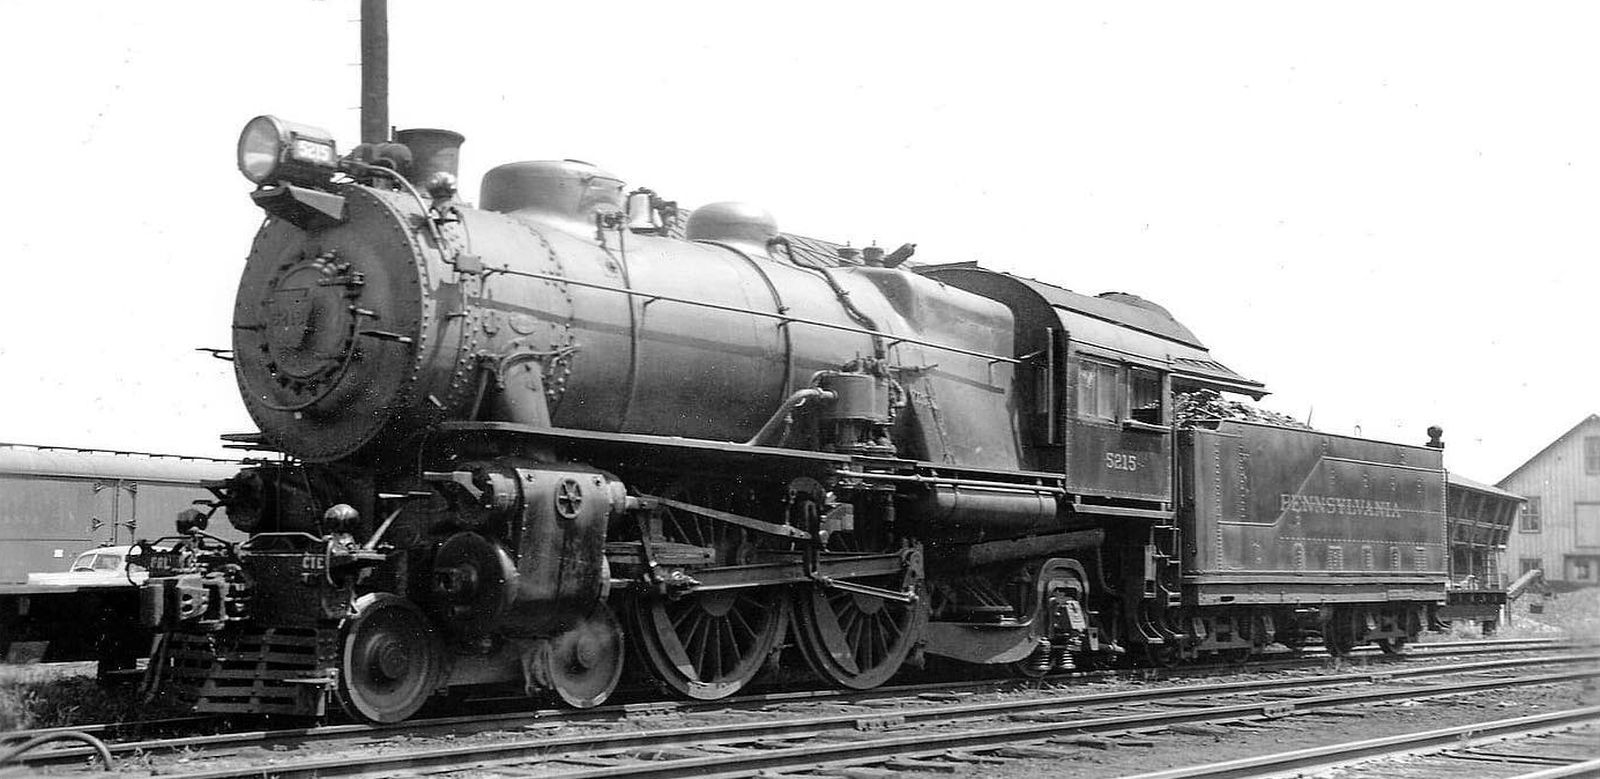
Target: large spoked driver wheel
<point>708,645</point>
<point>853,640</point>
<point>856,641</point>
<point>391,659</point>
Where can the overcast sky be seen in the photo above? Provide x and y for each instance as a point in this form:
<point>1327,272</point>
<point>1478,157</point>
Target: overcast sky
<point>1386,212</point>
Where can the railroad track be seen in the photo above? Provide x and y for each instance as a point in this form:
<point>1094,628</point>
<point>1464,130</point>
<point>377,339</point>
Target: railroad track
<point>134,738</point>
<point>910,740</point>
<point>128,737</point>
<point>1557,744</point>
<point>782,721</point>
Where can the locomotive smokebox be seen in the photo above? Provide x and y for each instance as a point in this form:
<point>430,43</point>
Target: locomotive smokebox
<point>432,151</point>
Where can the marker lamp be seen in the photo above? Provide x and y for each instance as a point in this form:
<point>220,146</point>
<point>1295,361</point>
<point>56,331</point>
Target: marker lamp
<point>272,150</point>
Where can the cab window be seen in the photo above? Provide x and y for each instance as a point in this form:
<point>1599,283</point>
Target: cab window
<point>1097,389</point>
<point>1144,396</point>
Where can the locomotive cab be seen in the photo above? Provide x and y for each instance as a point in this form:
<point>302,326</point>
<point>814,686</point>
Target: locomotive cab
<point>1099,377</point>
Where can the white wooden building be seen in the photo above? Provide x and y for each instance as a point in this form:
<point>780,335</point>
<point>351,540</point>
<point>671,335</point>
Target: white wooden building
<point>1559,528</point>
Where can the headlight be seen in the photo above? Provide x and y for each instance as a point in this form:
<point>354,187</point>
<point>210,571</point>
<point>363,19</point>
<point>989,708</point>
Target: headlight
<point>271,150</point>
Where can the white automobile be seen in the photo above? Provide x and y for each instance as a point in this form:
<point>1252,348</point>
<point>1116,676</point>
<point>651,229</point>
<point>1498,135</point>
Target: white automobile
<point>106,565</point>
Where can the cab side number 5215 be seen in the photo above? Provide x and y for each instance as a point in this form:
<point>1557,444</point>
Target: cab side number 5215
<point>1122,461</point>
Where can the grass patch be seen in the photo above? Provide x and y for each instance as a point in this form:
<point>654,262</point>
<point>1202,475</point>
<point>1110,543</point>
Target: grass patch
<point>51,696</point>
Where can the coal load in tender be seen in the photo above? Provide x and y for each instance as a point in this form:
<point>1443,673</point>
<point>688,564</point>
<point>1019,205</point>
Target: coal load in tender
<point>1203,407</point>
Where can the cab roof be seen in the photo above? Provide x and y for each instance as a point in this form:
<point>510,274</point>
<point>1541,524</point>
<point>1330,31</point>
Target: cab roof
<point>1119,322</point>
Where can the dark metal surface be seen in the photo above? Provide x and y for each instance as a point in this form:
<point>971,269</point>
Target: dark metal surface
<point>536,331</point>
<point>1327,517</point>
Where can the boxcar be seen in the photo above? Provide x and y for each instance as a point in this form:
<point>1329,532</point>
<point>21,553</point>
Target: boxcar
<point>56,503</point>
<point>1480,519</point>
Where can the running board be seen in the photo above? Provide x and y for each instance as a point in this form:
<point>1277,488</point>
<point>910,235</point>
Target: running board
<point>1123,511</point>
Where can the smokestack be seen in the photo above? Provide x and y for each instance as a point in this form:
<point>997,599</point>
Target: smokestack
<point>432,151</point>
<point>374,71</point>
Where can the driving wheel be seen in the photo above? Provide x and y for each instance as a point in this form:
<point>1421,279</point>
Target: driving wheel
<point>707,645</point>
<point>855,640</point>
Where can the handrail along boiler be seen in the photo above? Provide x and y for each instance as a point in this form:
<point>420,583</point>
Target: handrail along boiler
<point>569,430</point>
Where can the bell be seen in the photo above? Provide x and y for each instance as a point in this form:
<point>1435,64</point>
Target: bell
<point>641,216</point>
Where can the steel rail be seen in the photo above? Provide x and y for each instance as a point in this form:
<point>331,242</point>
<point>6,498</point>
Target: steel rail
<point>108,728</point>
<point>621,711</point>
<point>1325,757</point>
<point>1463,647</point>
<point>481,721</point>
<point>1588,768</point>
<point>485,756</point>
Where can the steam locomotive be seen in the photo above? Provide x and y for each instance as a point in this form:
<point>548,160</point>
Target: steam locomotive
<point>576,429</point>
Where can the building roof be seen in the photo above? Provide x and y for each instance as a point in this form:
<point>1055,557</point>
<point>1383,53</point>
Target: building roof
<point>1592,419</point>
<point>1457,480</point>
<point>36,460</point>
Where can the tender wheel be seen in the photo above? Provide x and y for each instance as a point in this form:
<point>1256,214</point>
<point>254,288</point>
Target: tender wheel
<point>1337,637</point>
<point>1235,656</point>
<point>1392,646</point>
<point>1162,655</point>
<point>857,641</point>
<point>708,645</point>
<point>582,665</point>
<point>1036,665</point>
<point>1036,594</point>
<point>392,659</point>
<point>1294,641</point>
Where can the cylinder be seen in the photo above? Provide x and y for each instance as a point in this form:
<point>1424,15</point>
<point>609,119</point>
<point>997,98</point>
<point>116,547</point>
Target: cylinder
<point>561,564</point>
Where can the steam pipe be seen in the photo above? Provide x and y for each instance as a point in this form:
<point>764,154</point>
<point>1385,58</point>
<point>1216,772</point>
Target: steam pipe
<point>780,419</point>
